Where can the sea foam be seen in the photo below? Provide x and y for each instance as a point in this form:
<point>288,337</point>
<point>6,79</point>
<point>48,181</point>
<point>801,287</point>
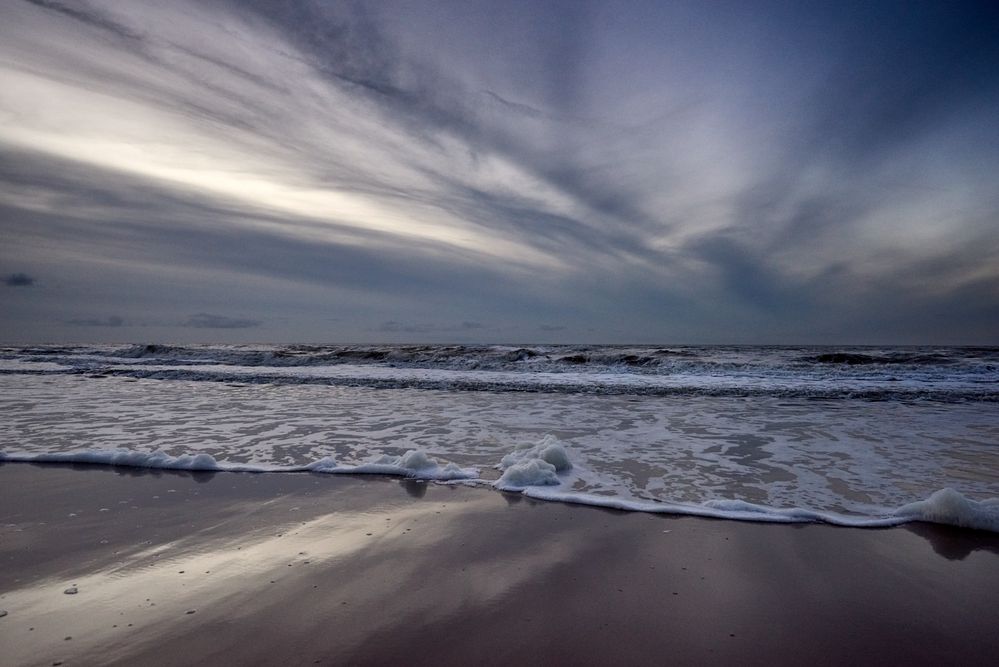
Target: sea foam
<point>950,507</point>
<point>533,465</point>
<point>548,449</point>
<point>133,459</point>
<point>413,463</point>
<point>531,472</point>
<point>534,472</point>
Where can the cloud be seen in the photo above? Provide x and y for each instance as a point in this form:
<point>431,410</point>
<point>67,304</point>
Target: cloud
<point>211,321</point>
<point>393,326</point>
<point>18,280</point>
<point>671,171</point>
<point>95,19</point>
<point>110,321</point>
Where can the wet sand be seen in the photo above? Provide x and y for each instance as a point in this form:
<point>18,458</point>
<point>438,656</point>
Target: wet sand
<point>181,569</point>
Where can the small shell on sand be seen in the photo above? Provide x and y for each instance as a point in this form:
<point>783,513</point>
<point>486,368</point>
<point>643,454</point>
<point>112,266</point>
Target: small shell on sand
<point>72,590</point>
<point>3,612</point>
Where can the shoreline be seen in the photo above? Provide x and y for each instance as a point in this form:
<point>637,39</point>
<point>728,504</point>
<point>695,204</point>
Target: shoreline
<point>944,506</point>
<point>373,570</point>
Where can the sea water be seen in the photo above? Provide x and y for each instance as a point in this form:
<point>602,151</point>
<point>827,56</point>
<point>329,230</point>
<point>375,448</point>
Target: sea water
<point>852,436</point>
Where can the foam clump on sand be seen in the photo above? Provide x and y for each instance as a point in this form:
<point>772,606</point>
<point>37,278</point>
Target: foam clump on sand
<point>532,472</point>
<point>533,465</point>
<point>414,459</point>
<point>414,463</point>
<point>123,457</point>
<point>548,449</point>
<point>951,507</point>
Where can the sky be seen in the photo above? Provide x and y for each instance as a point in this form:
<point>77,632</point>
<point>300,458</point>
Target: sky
<point>516,171</point>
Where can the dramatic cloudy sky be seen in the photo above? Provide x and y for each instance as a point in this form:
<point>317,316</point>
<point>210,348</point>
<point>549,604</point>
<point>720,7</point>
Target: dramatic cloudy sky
<point>499,171</point>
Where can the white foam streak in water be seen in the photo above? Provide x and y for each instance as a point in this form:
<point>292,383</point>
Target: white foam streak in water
<point>720,509</point>
<point>703,380</point>
<point>22,366</point>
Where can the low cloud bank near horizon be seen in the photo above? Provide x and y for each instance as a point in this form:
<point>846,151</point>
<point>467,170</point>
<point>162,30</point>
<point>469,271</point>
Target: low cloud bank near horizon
<point>212,321</point>
<point>109,321</point>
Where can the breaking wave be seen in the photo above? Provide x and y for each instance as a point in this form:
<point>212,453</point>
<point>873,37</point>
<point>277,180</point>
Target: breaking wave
<point>946,374</point>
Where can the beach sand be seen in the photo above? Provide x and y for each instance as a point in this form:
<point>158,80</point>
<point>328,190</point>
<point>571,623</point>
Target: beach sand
<point>182,569</point>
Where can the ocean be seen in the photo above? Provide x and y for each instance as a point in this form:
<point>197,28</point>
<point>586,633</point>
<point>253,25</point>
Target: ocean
<point>855,436</point>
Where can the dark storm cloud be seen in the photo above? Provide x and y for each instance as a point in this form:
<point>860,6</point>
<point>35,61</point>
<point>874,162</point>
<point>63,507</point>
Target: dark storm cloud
<point>18,280</point>
<point>213,321</point>
<point>659,170</point>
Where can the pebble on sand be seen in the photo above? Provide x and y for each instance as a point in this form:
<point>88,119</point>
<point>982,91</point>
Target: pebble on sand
<point>72,590</point>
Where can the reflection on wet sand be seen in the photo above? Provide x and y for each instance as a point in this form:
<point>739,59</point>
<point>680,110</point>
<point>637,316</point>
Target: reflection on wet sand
<point>300,568</point>
<point>237,555</point>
